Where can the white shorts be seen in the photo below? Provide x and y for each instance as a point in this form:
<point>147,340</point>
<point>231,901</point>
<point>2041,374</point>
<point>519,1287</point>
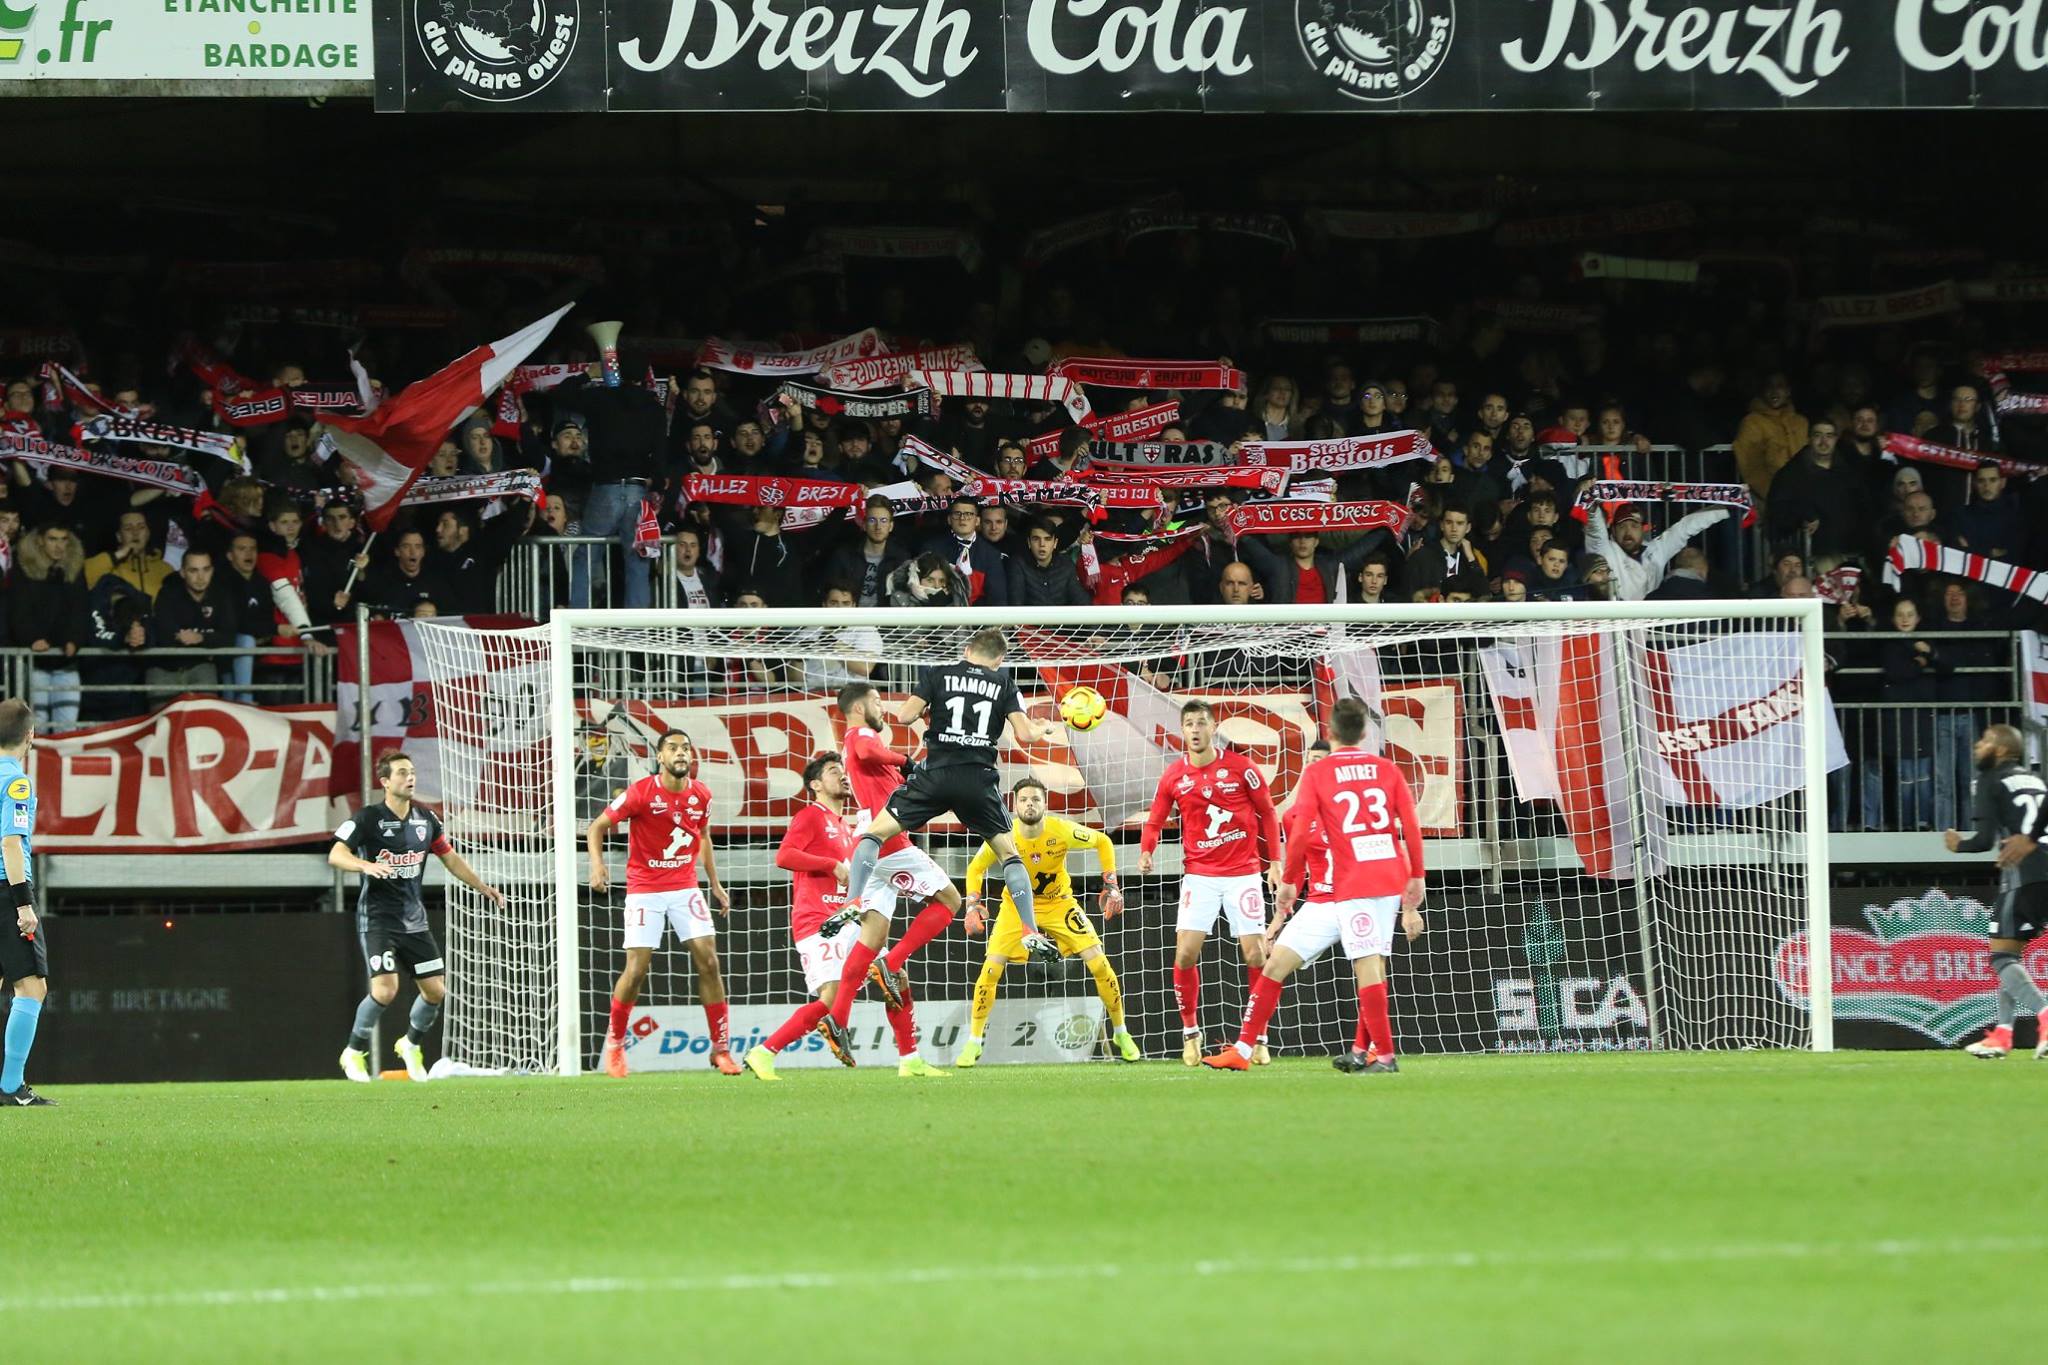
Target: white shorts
<point>1365,926</point>
<point>1241,901</point>
<point>646,910</point>
<point>824,958</point>
<point>908,874</point>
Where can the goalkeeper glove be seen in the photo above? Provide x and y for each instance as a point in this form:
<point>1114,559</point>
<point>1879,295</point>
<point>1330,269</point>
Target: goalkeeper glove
<point>972,921</point>
<point>1111,901</point>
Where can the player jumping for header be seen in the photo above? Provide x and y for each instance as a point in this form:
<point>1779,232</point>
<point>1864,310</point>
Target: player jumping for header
<point>2009,802</point>
<point>1045,840</point>
<point>1346,808</point>
<point>388,842</point>
<point>970,703</point>
<point>1227,828</point>
<point>814,852</point>
<point>668,820</point>
<point>24,956</point>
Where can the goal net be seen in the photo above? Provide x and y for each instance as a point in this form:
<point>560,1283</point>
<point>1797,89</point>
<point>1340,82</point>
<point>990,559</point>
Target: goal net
<point>1622,806</point>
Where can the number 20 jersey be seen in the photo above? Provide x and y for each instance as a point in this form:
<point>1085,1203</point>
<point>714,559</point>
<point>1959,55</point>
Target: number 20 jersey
<point>664,833</point>
<point>1226,815</point>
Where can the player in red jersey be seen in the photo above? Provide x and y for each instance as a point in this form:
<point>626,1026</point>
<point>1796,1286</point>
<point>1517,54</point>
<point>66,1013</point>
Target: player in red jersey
<point>814,852</point>
<point>903,871</point>
<point>1227,829</point>
<point>1348,808</point>
<point>668,819</point>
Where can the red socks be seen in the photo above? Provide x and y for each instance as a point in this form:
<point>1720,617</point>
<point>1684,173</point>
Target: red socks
<point>1265,999</point>
<point>718,1019</point>
<point>929,924</point>
<point>796,1026</point>
<point>622,1010</point>
<point>1253,976</point>
<point>855,975</point>
<point>1187,988</point>
<point>904,1023</point>
<point>1372,1017</point>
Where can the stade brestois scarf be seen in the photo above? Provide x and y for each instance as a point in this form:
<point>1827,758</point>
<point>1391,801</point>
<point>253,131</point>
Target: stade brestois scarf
<point>1340,454</point>
<point>1135,425</point>
<point>165,474</point>
<point>1910,554</point>
<point>752,490</point>
<point>890,371</point>
<point>386,450</point>
<point>1035,388</point>
<point>1148,374</point>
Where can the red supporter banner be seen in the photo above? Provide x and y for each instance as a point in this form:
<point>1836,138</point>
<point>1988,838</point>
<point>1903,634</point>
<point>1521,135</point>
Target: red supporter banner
<point>749,490</point>
<point>1108,373</point>
<point>1875,310</point>
<point>1294,518</point>
<point>1598,223</point>
<point>1264,478</point>
<point>1901,447</point>
<point>719,354</point>
<point>197,776</point>
<point>1338,454</point>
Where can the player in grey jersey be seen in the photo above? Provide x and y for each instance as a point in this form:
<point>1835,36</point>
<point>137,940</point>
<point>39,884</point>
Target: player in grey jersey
<point>2010,801</point>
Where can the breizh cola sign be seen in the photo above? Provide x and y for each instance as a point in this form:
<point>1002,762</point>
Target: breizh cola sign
<point>1363,55</point>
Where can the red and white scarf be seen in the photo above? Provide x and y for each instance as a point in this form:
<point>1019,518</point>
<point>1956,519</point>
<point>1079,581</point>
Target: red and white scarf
<point>1339,454</point>
<point>890,371</point>
<point>1295,518</point>
<point>499,483</point>
<point>1910,554</point>
<point>115,427</point>
<point>1161,453</point>
<point>1038,388</point>
<point>932,457</point>
<point>1134,425</point>
<point>1899,447</point>
<point>720,354</point>
<point>1263,478</point>
<point>1107,373</point>
<point>749,490</point>
<point>1730,495</point>
<point>165,474</point>
<point>72,392</point>
<point>1839,586</point>
<point>910,403</point>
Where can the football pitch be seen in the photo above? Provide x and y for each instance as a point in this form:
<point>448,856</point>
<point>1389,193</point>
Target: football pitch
<point>1691,1206</point>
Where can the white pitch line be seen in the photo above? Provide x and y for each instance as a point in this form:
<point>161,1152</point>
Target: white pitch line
<point>1901,1248</point>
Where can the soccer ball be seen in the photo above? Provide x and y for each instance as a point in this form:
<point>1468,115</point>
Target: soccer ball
<point>1083,708</point>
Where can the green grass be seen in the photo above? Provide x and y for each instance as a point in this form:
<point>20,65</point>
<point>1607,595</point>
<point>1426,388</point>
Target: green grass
<point>1761,1206</point>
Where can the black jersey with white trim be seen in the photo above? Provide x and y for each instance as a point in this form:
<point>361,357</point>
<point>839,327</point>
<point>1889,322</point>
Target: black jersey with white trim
<point>378,834</point>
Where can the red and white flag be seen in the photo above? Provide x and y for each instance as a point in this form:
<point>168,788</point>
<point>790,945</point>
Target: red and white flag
<point>1120,759</point>
<point>1724,725</point>
<point>386,450</point>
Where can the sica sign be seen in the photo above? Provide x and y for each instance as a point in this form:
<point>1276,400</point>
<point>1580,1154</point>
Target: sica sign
<point>307,42</point>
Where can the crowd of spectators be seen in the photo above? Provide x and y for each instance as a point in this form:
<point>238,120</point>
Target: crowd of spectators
<point>134,592</point>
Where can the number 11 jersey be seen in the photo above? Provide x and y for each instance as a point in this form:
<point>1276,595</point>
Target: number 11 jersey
<point>665,832</point>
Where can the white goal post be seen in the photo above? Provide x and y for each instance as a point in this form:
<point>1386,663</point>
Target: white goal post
<point>1624,807</point>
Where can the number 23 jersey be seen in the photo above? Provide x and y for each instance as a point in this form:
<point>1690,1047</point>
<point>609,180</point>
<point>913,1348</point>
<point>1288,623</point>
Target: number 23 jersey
<point>664,833</point>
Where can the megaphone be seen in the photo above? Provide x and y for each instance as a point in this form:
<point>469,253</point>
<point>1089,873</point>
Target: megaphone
<point>606,335</point>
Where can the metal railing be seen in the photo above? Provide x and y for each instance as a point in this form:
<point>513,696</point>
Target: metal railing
<point>104,672</point>
<point>538,574</point>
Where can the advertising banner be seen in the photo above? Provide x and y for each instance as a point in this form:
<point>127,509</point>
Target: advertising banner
<point>311,46</point>
<point>1023,1029</point>
<point>199,774</point>
<point>1912,967</point>
<point>1253,55</point>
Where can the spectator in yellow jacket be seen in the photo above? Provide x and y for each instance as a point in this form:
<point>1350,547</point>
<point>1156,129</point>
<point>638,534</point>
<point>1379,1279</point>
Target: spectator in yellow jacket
<point>132,559</point>
<point>1770,435</point>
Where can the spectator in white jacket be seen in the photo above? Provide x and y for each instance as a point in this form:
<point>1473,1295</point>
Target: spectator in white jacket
<point>1639,567</point>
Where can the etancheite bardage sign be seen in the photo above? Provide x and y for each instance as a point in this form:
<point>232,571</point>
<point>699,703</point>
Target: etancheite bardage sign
<point>89,45</point>
<point>1078,55</point>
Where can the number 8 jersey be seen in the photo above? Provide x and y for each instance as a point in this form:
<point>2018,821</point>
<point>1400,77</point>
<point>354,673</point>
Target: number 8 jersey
<point>665,831</point>
<point>1227,824</point>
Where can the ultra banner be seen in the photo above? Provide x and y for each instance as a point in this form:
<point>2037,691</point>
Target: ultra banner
<point>1253,55</point>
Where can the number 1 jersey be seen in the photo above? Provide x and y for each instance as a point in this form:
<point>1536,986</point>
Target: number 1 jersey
<point>665,833</point>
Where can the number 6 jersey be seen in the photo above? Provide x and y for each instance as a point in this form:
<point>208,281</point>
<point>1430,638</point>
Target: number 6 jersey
<point>665,831</point>
<point>1227,824</point>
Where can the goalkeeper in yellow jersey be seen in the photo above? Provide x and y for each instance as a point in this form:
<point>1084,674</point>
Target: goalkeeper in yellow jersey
<point>1043,841</point>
